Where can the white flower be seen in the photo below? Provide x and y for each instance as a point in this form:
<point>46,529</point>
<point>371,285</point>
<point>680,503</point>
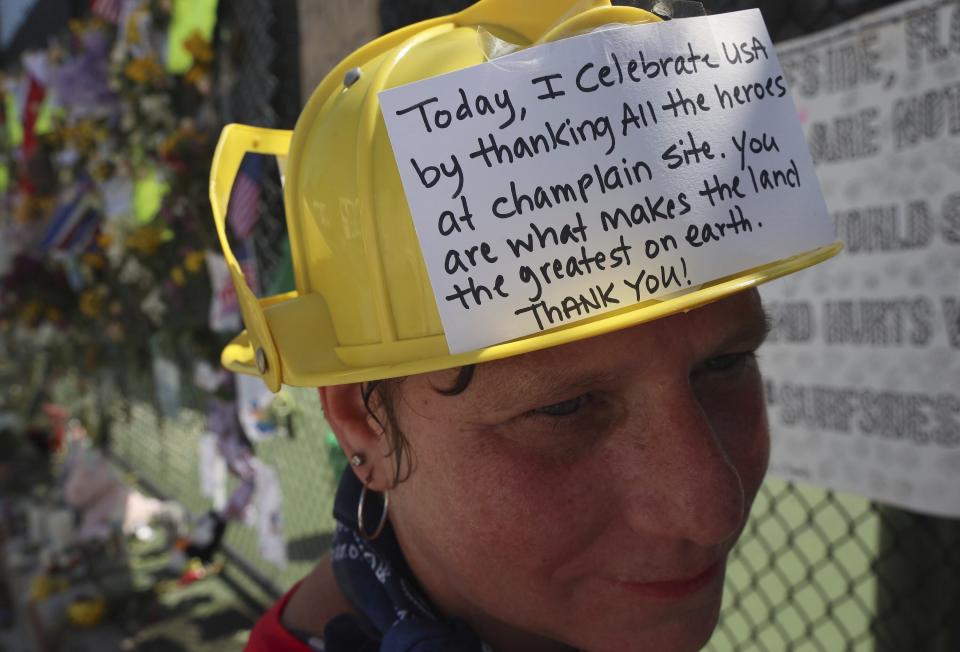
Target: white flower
<point>153,307</point>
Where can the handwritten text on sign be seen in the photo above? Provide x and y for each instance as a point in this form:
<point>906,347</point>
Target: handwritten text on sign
<point>589,174</point>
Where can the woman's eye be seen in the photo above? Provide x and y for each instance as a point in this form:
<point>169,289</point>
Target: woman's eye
<point>728,363</point>
<point>562,409</point>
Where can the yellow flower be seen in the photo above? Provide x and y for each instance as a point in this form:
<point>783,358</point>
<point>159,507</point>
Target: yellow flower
<point>54,137</point>
<point>202,53</point>
<point>185,133</point>
<point>23,211</point>
<point>133,26</point>
<point>144,70</point>
<point>146,240</point>
<point>178,276</point>
<point>43,586</point>
<point>195,261</point>
<point>102,170</point>
<point>195,75</point>
<point>166,147</point>
<point>82,135</point>
<point>199,47</point>
<point>86,612</point>
<point>53,314</point>
<point>29,209</point>
<point>94,260</point>
<point>91,303</point>
<point>80,26</point>
<point>31,312</point>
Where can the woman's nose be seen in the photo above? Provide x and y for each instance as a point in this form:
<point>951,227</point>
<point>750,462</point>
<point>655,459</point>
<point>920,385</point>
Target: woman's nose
<point>680,483</point>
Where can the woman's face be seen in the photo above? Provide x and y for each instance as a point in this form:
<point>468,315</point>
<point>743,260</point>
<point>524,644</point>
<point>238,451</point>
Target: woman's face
<point>589,494</point>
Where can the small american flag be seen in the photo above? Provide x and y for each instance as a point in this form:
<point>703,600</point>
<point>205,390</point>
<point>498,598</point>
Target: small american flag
<point>32,104</point>
<point>74,224</point>
<point>244,207</point>
<point>109,10</point>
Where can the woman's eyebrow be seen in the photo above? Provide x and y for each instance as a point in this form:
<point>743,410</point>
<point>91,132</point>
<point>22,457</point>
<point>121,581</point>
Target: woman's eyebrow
<point>540,379</point>
<point>567,381</point>
<point>747,328</point>
<point>767,325</point>
<point>753,329</point>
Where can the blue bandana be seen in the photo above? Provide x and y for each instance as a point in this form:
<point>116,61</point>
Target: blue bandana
<point>375,578</point>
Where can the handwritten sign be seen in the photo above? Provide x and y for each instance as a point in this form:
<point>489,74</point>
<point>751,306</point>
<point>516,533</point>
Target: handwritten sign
<point>589,174</point>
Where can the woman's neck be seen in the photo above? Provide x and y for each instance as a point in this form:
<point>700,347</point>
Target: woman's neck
<point>316,601</point>
<point>504,638</point>
<point>500,636</point>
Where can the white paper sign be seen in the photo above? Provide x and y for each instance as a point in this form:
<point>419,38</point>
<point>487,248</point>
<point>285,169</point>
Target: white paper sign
<point>269,502</point>
<point>253,402</point>
<point>589,174</point>
<point>166,377</point>
<point>863,367</point>
<point>224,309</point>
<point>225,315</point>
<point>213,471</point>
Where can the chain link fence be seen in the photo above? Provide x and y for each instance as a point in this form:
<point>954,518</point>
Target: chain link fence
<point>163,453</point>
<point>814,570</point>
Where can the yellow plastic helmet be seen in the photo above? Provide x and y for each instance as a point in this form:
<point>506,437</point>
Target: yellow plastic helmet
<point>363,308</point>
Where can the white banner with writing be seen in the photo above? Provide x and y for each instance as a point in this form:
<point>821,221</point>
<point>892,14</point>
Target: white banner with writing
<point>582,176</point>
<point>863,367</point>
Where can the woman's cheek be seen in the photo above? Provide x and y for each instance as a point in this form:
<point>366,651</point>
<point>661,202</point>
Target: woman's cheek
<point>516,498</point>
<point>739,419</point>
<point>748,441</point>
<point>755,456</point>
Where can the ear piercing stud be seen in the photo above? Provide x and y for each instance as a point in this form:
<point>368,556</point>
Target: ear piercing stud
<point>357,460</point>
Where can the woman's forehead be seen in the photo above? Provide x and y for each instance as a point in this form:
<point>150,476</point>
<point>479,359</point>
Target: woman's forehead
<point>735,319</point>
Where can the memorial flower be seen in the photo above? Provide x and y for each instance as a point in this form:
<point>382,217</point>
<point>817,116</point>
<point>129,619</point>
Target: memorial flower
<point>146,240</point>
<point>194,261</point>
<point>145,70</point>
<point>91,302</point>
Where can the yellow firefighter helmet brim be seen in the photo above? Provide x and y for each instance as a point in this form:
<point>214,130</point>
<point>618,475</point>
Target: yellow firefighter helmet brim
<point>363,308</point>
<point>310,357</point>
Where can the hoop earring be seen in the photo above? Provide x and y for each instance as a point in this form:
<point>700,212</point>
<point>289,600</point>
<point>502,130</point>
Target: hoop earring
<point>383,515</point>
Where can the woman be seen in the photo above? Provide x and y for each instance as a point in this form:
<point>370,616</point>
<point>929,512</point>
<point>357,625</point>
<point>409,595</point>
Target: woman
<point>574,497</point>
<point>576,489</point>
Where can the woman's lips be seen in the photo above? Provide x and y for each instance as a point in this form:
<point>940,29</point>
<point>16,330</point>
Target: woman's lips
<point>673,589</point>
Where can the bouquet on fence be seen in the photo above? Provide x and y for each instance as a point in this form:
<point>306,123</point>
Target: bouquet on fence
<point>105,146</point>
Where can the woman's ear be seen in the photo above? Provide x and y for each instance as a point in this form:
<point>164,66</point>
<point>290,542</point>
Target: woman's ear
<point>359,434</point>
